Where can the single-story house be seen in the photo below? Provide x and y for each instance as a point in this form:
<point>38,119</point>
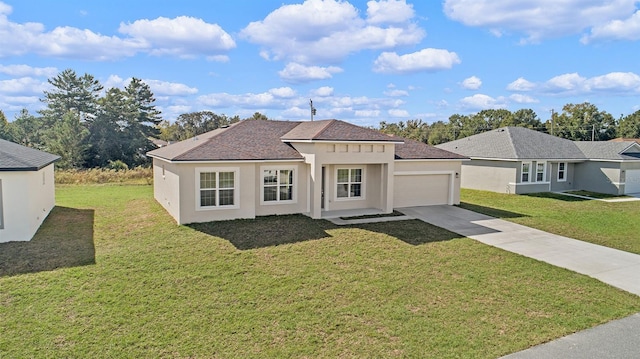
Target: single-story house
<point>263,167</point>
<point>27,190</point>
<point>520,160</point>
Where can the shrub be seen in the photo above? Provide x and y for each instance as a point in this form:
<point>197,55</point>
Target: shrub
<point>118,174</point>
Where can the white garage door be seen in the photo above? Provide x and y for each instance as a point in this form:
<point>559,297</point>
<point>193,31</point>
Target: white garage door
<point>632,181</point>
<point>421,190</point>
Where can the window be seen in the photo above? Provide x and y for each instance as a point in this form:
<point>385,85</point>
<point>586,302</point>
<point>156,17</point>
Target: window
<point>562,172</point>
<point>216,188</point>
<point>349,183</point>
<point>277,185</point>
<point>540,166</point>
<point>525,172</point>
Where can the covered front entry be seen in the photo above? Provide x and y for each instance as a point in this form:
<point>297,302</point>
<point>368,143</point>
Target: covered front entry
<point>632,181</point>
<point>422,189</point>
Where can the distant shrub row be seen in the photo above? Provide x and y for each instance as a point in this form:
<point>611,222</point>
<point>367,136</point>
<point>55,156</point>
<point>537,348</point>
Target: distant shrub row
<point>137,175</point>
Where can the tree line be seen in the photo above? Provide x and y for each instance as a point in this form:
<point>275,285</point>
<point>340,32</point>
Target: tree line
<point>576,122</point>
<point>89,126</point>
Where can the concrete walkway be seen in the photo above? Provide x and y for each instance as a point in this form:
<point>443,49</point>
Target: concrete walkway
<point>615,267</point>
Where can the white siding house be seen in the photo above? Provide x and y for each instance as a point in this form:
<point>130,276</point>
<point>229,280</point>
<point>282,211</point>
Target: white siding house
<point>27,190</point>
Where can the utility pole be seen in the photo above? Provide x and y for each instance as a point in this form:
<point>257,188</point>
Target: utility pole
<point>552,113</point>
<point>313,109</point>
<point>593,132</point>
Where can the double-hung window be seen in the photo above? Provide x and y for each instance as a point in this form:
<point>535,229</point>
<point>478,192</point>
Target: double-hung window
<point>562,172</point>
<point>216,188</point>
<point>349,183</point>
<point>526,167</point>
<point>540,166</point>
<point>277,185</point>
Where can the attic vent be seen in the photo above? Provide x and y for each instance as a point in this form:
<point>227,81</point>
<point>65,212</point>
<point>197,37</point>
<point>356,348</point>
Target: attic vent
<point>195,138</point>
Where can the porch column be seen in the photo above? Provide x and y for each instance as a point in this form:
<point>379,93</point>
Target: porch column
<point>387,186</point>
<point>316,188</point>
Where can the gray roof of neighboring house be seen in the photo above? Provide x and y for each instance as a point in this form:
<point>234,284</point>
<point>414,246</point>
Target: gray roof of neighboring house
<point>15,157</point>
<point>267,140</point>
<point>615,151</point>
<point>515,143</point>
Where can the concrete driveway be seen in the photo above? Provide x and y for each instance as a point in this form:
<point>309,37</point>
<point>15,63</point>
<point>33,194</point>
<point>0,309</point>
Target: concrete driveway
<point>616,339</point>
<point>615,267</point>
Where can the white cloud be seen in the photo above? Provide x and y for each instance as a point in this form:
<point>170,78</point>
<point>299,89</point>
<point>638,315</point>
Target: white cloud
<point>520,98</point>
<point>521,84</point>
<point>396,93</point>
<point>472,83</point>
<point>367,113</point>
<point>23,86</point>
<point>297,73</point>
<point>615,81</point>
<point>627,29</point>
<point>482,102</point>
<point>398,113</point>
<point>567,82</point>
<point>423,60</point>
<point>389,11</point>
<point>182,36</point>
<point>283,92</point>
<point>323,91</point>
<point>326,31</point>
<point>538,19</point>
<point>26,70</point>
<point>161,88</point>
<point>247,100</point>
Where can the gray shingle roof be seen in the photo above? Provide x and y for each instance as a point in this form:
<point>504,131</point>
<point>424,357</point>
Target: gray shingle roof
<point>267,140</point>
<point>616,151</point>
<point>244,140</point>
<point>334,130</point>
<point>515,143</point>
<point>15,157</point>
<point>412,150</point>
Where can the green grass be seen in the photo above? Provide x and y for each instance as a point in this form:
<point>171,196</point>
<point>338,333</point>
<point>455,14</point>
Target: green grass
<point>278,287</point>
<point>614,225</point>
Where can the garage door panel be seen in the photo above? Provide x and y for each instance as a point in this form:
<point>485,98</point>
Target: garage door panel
<point>421,190</point>
<point>632,181</point>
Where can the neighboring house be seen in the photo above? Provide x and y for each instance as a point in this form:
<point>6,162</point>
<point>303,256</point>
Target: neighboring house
<point>257,167</point>
<point>621,139</point>
<point>519,160</point>
<point>27,190</point>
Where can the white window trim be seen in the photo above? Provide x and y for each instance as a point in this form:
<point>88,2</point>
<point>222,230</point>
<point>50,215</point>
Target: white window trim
<point>294,195</point>
<point>564,171</point>
<point>362,188</point>
<point>236,187</point>
<point>544,171</point>
<point>522,172</point>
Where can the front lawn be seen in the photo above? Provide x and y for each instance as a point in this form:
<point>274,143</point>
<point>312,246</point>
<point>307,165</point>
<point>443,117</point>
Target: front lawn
<point>611,224</point>
<point>277,287</point>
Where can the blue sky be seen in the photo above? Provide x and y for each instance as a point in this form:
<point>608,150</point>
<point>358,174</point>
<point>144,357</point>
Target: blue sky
<point>360,61</point>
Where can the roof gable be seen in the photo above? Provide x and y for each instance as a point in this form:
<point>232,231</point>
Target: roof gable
<point>15,157</point>
<point>334,130</point>
<point>515,143</point>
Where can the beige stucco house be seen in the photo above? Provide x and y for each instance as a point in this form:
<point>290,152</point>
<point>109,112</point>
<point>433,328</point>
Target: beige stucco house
<point>257,168</point>
<point>27,190</point>
<point>519,160</point>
